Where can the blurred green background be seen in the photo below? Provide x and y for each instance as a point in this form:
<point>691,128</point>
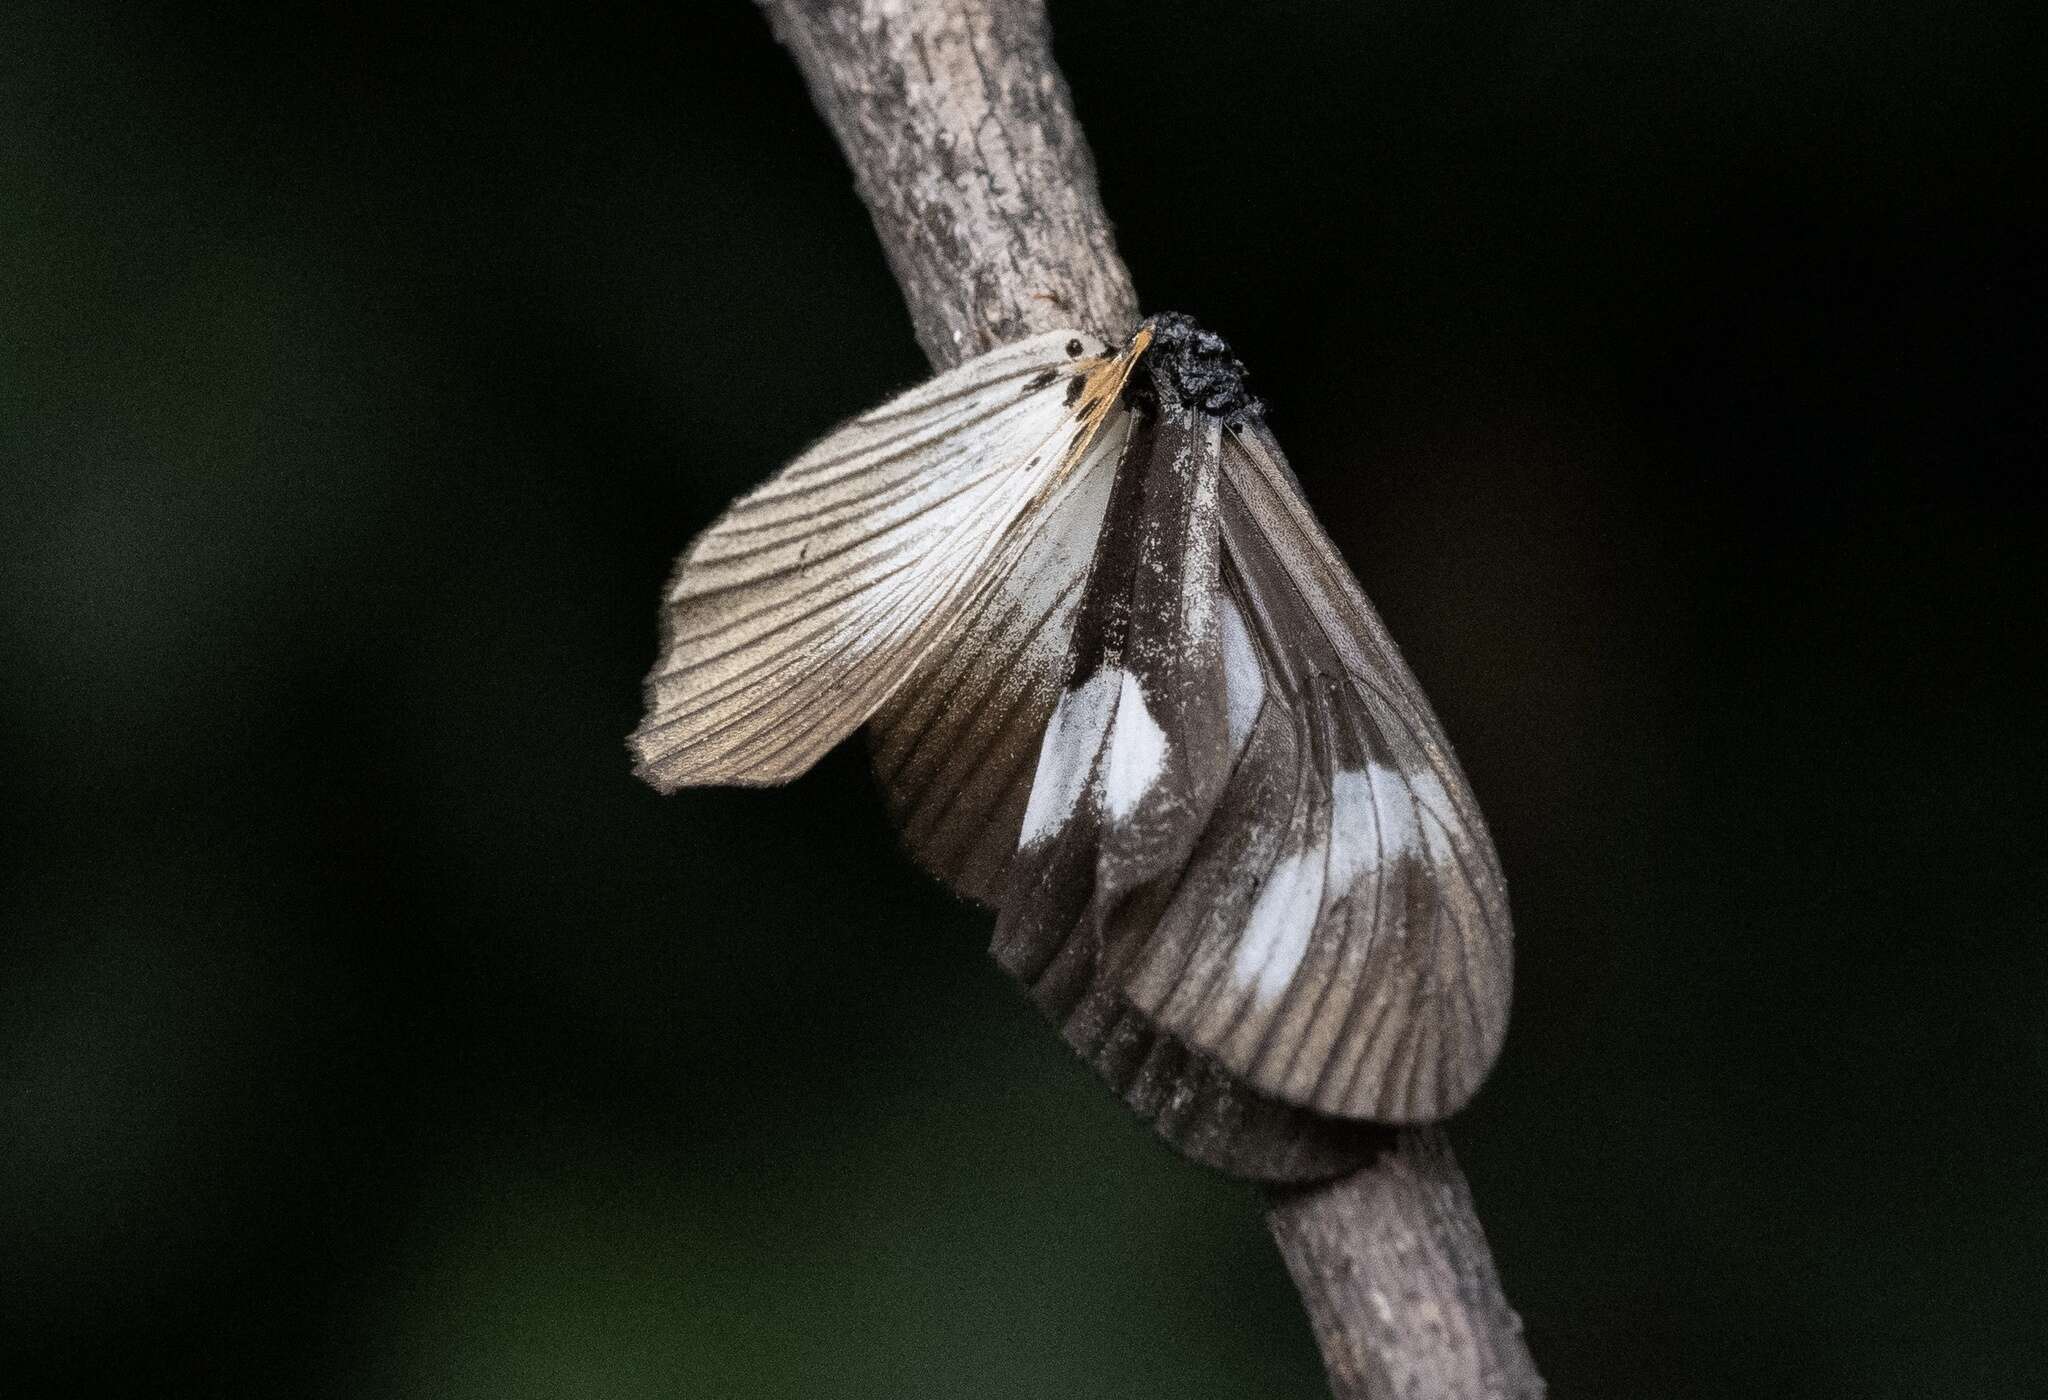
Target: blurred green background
<point>1672,376</point>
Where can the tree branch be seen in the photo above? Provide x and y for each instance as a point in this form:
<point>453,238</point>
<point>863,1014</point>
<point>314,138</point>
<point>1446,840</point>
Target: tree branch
<point>965,150</point>
<point>1398,1284</point>
<point>964,147</point>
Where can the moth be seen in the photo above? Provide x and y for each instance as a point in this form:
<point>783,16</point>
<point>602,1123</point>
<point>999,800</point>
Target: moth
<point>1121,687</point>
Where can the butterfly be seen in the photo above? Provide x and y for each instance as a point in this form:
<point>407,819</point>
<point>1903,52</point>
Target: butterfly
<point>1120,686</point>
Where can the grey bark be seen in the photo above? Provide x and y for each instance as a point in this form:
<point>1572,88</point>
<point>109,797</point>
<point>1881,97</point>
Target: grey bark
<point>965,150</point>
<point>1397,1280</point>
<point>962,139</point>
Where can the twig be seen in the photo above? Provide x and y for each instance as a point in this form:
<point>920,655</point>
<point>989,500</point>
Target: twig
<point>1397,1281</point>
<point>965,150</point>
<point>964,146</point>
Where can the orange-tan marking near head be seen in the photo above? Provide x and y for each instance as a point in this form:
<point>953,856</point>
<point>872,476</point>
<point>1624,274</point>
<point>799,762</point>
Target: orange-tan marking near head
<point>1101,388</point>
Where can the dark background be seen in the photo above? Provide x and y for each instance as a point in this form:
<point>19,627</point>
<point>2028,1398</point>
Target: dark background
<point>1672,376</point>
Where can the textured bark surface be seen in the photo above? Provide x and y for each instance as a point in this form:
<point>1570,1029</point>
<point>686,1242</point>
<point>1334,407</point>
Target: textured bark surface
<point>964,147</point>
<point>1398,1283</point>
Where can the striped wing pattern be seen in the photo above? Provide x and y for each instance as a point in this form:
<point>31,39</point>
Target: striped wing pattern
<point>1340,935</point>
<point>1131,763</point>
<point>1124,689</point>
<point>956,752</point>
<point>803,608</point>
<point>1295,882</point>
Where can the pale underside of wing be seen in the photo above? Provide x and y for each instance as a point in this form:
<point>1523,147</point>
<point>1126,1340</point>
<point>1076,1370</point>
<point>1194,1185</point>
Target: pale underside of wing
<point>955,753</point>
<point>1339,933</point>
<point>811,601</point>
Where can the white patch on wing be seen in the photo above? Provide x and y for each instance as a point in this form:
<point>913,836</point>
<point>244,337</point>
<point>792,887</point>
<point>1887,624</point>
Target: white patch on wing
<point>1066,755</point>
<point>1395,810</point>
<point>1371,815</point>
<point>1354,834</point>
<point>1137,749</point>
<point>1282,918</point>
<point>1413,809</point>
<point>1436,809</point>
<point>1244,679</point>
<point>1054,565</point>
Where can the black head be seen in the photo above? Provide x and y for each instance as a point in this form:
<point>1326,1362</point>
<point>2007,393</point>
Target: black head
<point>1194,368</point>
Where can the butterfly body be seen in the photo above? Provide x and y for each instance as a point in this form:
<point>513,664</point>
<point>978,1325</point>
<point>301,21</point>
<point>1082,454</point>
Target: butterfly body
<point>1188,365</point>
<point>1122,688</point>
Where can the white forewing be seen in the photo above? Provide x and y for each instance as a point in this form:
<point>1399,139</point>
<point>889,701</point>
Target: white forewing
<point>956,753</point>
<point>804,607</point>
